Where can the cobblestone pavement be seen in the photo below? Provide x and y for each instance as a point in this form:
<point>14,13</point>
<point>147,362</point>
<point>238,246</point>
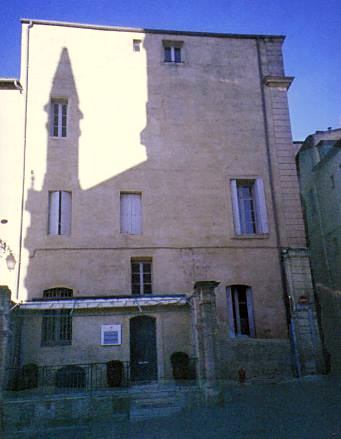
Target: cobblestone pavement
<point>306,408</point>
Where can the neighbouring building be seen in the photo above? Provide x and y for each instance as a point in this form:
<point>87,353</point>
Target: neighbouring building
<point>160,208</point>
<point>319,167</point>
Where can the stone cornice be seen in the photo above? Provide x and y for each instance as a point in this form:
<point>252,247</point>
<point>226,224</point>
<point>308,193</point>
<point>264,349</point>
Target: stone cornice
<point>278,81</point>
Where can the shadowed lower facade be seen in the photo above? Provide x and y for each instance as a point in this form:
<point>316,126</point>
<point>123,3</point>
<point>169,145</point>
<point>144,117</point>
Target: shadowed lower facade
<point>161,210</point>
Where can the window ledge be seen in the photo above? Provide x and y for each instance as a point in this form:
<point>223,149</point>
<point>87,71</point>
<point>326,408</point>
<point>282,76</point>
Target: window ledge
<point>255,236</point>
<point>173,63</point>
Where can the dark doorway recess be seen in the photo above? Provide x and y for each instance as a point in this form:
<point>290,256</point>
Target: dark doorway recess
<point>143,358</point>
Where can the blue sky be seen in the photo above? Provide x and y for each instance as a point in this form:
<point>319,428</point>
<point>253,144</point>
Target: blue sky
<point>312,49</point>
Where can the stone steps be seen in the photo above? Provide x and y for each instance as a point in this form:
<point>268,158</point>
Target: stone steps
<point>153,404</point>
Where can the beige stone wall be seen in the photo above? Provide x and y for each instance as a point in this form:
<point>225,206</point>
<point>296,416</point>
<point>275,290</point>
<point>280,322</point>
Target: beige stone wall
<point>175,133</point>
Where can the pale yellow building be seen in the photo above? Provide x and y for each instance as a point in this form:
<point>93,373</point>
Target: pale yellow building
<point>153,160</point>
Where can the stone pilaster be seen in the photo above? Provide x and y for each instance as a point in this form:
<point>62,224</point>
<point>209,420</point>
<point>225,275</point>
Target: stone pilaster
<point>205,327</point>
<point>304,327</point>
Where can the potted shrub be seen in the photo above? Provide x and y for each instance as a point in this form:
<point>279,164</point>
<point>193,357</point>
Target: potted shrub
<point>114,373</point>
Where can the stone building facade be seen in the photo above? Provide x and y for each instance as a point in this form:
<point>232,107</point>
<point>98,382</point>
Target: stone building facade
<point>160,204</point>
<point>319,169</point>
<point>319,161</point>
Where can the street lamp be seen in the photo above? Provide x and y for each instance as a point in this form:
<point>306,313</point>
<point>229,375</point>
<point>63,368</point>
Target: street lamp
<point>10,261</point>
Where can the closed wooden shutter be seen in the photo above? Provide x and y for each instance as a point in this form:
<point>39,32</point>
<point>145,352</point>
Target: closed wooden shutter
<point>65,218</point>
<point>262,217</point>
<point>235,207</point>
<point>232,332</point>
<point>53,212</point>
<point>131,214</point>
<point>249,301</point>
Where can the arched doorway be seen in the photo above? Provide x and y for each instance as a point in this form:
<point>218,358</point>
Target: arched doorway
<point>143,358</point>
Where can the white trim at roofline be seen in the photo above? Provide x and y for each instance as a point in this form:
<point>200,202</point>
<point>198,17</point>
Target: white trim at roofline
<point>103,303</point>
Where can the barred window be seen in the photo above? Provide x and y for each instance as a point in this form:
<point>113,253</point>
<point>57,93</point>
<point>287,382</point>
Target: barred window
<point>57,293</point>
<point>57,324</point>
<point>56,328</point>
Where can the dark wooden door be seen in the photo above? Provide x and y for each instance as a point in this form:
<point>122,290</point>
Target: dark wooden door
<point>143,358</point>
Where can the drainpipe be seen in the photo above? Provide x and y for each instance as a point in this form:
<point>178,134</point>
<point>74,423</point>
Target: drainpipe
<point>30,25</point>
<point>18,86</point>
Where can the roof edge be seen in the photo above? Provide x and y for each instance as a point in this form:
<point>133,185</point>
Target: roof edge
<point>10,84</point>
<point>150,31</point>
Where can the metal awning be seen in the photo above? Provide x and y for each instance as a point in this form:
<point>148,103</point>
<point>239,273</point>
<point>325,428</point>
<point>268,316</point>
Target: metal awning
<point>111,302</point>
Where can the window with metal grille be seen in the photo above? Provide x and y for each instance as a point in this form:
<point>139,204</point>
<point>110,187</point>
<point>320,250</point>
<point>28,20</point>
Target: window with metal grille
<point>249,208</point>
<point>58,123</point>
<point>57,324</point>
<point>57,293</point>
<point>141,277</point>
<point>240,311</point>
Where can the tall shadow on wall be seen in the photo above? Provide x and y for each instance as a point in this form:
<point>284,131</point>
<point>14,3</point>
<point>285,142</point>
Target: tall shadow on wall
<point>86,260</point>
<point>62,164</point>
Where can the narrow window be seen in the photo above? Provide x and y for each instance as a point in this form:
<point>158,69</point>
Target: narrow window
<point>56,324</point>
<point>137,45</point>
<point>249,209</point>
<point>59,213</point>
<point>58,124</point>
<point>131,213</point>
<point>172,51</point>
<point>240,309</point>
<point>141,277</point>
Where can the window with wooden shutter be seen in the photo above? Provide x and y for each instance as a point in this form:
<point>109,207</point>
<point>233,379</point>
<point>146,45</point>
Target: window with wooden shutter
<point>131,213</point>
<point>249,207</point>
<point>240,311</point>
<point>59,213</point>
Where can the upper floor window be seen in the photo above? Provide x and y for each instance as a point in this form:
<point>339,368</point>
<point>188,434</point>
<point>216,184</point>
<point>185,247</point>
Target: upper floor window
<point>59,213</point>
<point>141,277</point>
<point>58,122</point>
<point>240,311</point>
<point>131,213</point>
<point>249,208</point>
<point>137,45</point>
<point>173,51</point>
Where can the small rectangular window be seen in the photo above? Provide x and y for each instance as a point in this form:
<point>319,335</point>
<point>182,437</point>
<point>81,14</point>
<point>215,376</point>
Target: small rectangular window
<point>141,277</point>
<point>137,45</point>
<point>173,51</point>
<point>58,122</point>
<point>249,209</point>
<point>59,213</point>
<point>131,213</point>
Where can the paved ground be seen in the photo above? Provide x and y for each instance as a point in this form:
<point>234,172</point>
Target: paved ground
<point>308,408</point>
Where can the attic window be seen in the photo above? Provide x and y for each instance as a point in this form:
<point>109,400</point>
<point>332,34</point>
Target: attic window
<point>173,52</point>
<point>137,45</point>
